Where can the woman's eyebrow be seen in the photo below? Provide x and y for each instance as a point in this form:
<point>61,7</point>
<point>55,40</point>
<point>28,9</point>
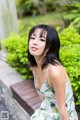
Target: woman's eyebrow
<point>43,37</point>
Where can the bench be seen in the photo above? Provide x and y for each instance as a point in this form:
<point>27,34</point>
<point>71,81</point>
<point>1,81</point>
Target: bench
<point>26,95</point>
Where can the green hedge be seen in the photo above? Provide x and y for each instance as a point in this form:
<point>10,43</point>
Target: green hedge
<point>16,46</point>
<point>70,56</point>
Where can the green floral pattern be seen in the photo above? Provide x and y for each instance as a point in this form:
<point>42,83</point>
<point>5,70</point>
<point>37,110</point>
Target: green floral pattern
<point>49,109</point>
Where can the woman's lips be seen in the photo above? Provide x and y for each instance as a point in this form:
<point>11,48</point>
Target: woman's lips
<point>34,48</point>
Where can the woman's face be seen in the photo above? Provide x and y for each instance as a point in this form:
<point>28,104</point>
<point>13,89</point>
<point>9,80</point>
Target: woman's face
<point>37,43</point>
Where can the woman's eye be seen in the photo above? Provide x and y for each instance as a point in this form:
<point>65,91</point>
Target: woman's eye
<point>42,40</point>
<point>32,38</point>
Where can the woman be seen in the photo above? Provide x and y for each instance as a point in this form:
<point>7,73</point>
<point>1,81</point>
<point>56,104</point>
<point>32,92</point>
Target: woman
<point>50,78</point>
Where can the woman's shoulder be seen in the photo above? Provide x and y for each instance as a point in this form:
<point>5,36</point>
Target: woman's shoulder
<point>56,69</point>
<point>56,72</point>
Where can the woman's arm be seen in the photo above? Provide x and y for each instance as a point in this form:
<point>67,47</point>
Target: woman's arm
<point>57,77</point>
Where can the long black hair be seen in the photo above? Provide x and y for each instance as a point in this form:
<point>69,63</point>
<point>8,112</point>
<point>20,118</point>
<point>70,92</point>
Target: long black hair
<point>52,45</point>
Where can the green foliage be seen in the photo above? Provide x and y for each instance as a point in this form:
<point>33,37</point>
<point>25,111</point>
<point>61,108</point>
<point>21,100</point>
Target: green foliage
<point>70,56</point>
<point>34,7</point>
<point>26,7</point>
<point>72,14</point>
<point>23,25</point>
<point>16,46</point>
<point>76,24</point>
<point>70,36</point>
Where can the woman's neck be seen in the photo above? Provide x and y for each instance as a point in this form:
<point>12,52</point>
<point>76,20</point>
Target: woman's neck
<point>38,61</point>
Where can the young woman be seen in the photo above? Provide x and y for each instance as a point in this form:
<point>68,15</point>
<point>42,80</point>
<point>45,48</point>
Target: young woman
<point>50,78</point>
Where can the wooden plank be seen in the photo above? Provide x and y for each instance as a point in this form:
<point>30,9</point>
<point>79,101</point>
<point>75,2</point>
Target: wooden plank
<point>26,91</point>
<point>22,84</point>
<point>36,99</point>
<point>36,106</point>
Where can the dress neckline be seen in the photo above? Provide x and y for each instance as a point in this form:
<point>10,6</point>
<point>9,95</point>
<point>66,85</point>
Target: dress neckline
<point>41,85</point>
<point>39,89</point>
<point>47,81</point>
<point>44,80</point>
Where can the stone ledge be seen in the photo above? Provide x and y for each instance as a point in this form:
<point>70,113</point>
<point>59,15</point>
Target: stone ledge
<point>9,76</point>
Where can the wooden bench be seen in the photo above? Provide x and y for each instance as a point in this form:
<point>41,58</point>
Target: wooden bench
<point>26,95</point>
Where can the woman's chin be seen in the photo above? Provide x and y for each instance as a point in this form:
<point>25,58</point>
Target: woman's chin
<point>36,55</point>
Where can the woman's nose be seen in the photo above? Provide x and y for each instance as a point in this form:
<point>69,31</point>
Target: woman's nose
<point>35,42</point>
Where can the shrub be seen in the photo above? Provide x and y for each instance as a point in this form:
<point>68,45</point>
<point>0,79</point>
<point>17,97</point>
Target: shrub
<point>70,55</point>
<point>16,46</point>
<point>76,24</point>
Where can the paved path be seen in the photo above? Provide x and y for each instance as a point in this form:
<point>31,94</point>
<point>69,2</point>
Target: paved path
<point>4,109</point>
<point>8,105</point>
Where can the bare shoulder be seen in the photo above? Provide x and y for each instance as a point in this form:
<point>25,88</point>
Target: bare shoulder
<point>56,70</point>
<point>57,73</point>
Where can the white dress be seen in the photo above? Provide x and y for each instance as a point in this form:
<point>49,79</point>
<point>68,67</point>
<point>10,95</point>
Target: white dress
<point>48,109</point>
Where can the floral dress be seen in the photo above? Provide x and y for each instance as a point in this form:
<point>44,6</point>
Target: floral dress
<point>49,109</point>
